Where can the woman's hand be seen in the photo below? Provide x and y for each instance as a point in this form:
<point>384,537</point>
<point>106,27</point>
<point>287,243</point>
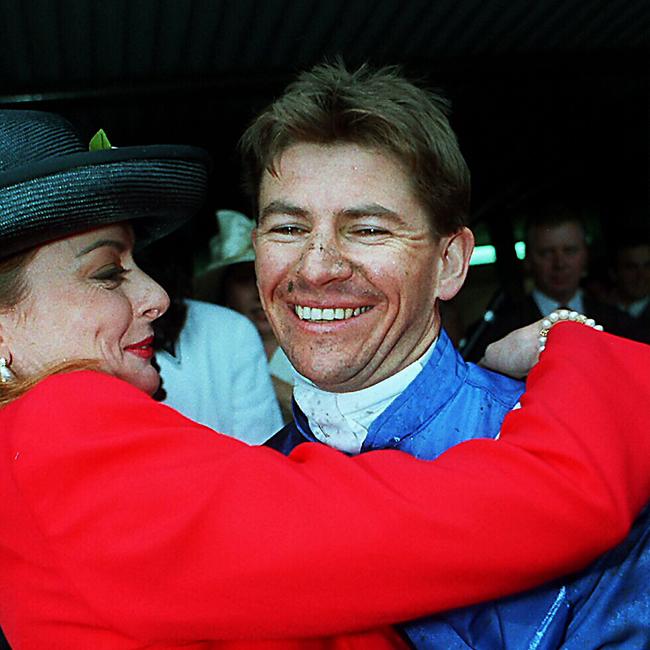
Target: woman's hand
<point>516,353</point>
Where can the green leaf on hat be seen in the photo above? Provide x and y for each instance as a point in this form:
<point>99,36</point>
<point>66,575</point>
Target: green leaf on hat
<point>99,141</point>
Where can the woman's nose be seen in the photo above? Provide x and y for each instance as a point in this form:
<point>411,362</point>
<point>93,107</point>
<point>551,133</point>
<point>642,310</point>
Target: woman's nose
<point>154,300</point>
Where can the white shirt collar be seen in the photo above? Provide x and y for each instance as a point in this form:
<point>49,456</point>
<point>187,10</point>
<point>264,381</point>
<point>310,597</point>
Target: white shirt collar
<point>636,308</point>
<point>546,304</point>
<point>342,420</point>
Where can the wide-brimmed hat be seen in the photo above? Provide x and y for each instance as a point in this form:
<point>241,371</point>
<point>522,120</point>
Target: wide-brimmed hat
<point>231,245</point>
<point>52,186</point>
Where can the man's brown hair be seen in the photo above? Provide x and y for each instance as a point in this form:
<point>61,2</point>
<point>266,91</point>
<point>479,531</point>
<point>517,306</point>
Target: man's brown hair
<point>373,108</point>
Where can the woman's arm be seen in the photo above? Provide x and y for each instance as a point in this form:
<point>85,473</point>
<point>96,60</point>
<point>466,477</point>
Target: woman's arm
<point>171,531</point>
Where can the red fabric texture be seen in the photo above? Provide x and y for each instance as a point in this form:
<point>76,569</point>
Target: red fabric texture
<point>125,525</point>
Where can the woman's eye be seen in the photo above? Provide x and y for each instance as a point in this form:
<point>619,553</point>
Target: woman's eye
<point>112,275</point>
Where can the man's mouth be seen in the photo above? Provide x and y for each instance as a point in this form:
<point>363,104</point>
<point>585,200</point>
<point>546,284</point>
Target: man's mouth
<point>328,313</point>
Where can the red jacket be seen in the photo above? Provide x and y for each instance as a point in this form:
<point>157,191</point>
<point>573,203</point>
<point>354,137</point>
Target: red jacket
<point>125,525</point>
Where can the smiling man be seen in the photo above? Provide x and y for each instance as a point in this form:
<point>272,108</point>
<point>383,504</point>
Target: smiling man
<point>346,253</point>
<point>362,196</point>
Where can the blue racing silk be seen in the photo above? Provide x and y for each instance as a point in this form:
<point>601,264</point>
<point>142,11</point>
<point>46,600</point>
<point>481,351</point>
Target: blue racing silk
<point>607,605</point>
<point>448,402</point>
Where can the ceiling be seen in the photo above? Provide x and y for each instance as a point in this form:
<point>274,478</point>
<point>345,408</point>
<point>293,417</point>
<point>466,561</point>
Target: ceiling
<point>544,91</point>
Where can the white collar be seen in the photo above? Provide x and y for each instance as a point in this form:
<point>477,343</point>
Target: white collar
<point>635,308</point>
<point>546,304</point>
<point>342,420</point>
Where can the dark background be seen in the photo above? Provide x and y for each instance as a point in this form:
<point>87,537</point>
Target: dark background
<point>546,94</point>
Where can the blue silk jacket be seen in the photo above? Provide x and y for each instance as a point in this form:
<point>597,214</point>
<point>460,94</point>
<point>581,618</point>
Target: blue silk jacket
<point>607,605</point>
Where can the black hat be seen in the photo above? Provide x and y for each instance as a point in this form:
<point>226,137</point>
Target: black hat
<point>51,186</point>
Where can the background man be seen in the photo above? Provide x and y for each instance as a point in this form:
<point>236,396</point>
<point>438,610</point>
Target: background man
<point>631,275</point>
<point>556,259</point>
<point>362,197</point>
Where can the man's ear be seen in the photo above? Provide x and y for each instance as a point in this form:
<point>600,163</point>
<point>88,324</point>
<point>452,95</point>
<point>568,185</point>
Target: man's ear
<point>457,250</point>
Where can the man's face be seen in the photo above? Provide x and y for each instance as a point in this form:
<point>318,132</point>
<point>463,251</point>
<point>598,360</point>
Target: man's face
<point>633,272</point>
<point>557,258</point>
<point>347,267</point>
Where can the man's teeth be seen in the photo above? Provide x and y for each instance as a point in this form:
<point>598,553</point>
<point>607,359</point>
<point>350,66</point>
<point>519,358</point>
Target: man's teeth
<point>328,313</point>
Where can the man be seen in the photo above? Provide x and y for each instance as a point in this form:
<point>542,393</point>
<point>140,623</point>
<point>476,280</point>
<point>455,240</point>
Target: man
<point>556,259</point>
<point>631,274</point>
<point>362,196</point>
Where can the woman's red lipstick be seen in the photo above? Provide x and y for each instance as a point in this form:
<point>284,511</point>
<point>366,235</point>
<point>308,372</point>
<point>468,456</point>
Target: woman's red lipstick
<point>143,349</point>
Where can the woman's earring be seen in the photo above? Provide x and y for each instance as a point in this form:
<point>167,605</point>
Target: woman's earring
<point>5,372</point>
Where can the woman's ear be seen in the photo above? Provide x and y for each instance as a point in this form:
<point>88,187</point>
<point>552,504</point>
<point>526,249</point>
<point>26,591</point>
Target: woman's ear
<point>457,249</point>
<point>5,352</point>
<point>5,360</point>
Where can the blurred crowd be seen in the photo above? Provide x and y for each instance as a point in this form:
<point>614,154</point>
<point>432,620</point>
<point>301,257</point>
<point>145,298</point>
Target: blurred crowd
<point>614,291</point>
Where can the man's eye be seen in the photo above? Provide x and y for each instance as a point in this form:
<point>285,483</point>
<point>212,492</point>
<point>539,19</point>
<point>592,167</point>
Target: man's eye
<point>290,230</point>
<point>370,231</point>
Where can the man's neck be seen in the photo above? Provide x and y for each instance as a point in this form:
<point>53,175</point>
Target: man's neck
<point>342,420</point>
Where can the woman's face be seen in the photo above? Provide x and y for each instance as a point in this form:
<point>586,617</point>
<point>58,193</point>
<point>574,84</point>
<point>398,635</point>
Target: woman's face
<point>86,299</point>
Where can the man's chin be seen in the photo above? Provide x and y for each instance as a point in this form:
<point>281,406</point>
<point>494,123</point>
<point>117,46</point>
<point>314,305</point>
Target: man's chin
<point>563,288</point>
<point>334,381</point>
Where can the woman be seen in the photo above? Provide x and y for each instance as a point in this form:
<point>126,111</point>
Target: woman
<point>229,280</point>
<point>125,525</point>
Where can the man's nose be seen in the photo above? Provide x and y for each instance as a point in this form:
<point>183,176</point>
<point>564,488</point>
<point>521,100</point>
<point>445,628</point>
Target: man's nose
<point>323,261</point>
<point>559,260</point>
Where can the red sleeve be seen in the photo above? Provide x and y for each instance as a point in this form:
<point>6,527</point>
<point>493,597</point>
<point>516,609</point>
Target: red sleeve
<point>171,531</point>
